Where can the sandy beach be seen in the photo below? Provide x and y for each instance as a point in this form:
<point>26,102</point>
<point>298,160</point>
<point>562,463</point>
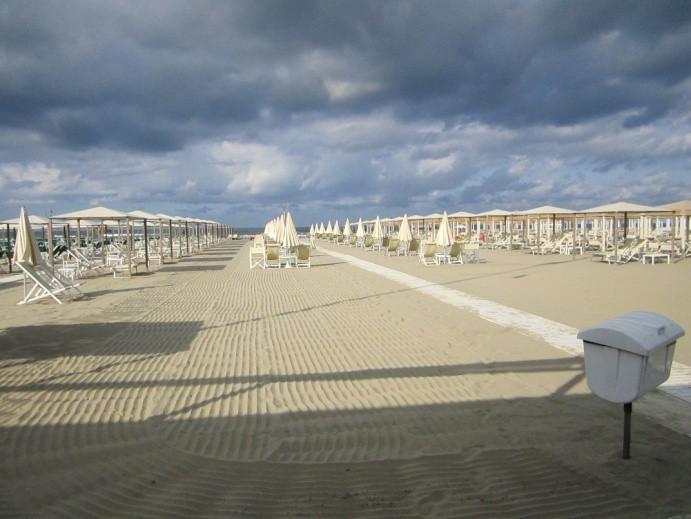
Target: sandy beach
<point>207,389</point>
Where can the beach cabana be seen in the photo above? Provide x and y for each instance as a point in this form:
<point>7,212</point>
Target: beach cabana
<point>156,222</point>
<point>102,215</point>
<point>546,220</point>
<point>682,214</point>
<point>460,223</point>
<point>487,222</point>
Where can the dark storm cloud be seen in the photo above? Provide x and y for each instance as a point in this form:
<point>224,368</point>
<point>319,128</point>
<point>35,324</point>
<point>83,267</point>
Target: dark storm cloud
<point>154,77</point>
<point>368,106</point>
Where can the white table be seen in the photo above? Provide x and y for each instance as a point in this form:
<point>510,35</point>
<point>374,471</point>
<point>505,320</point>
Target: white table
<point>442,257</point>
<point>654,255</point>
<point>288,259</point>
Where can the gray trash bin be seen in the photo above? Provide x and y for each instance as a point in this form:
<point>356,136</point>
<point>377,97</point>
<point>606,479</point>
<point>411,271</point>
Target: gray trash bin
<point>627,356</point>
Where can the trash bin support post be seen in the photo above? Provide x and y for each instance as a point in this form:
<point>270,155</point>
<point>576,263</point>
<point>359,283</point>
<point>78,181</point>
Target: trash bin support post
<point>628,408</point>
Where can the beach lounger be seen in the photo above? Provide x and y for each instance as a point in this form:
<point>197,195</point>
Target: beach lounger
<point>471,253</point>
<point>258,256</point>
<point>273,256</point>
<point>369,243</point>
<point>392,248</point>
<point>339,239</point>
<point>46,284</point>
<point>428,254</point>
<point>413,247</point>
<point>303,256</point>
<point>456,254</point>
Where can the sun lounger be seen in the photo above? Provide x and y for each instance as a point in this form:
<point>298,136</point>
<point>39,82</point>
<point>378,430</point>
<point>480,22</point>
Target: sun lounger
<point>392,248</point>
<point>257,256</point>
<point>46,284</point>
<point>303,256</point>
<point>413,247</point>
<point>369,243</point>
<point>471,253</point>
<point>428,254</point>
<point>273,256</point>
<point>456,254</point>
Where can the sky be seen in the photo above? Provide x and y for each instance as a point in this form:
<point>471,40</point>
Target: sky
<point>235,111</point>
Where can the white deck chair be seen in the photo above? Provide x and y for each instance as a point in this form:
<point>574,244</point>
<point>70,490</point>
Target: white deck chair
<point>303,256</point>
<point>46,284</point>
<point>427,254</point>
<point>258,255</point>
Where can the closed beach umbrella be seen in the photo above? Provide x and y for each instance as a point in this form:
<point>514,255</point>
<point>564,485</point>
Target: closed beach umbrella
<point>312,230</point>
<point>360,231</point>
<point>25,247</point>
<point>444,232</point>
<point>346,229</point>
<point>321,228</point>
<point>337,229</point>
<point>404,233</point>
<point>377,233</point>
<point>290,234</point>
<point>280,229</point>
<point>329,229</point>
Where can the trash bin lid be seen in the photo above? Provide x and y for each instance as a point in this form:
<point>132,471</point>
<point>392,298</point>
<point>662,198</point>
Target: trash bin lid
<point>636,332</point>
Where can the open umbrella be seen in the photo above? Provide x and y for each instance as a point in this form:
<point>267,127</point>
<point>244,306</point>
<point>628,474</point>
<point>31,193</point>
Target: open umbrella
<point>25,247</point>
<point>404,234</point>
<point>444,233</point>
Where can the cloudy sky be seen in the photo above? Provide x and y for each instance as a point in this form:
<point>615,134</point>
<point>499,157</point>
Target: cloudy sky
<point>235,110</point>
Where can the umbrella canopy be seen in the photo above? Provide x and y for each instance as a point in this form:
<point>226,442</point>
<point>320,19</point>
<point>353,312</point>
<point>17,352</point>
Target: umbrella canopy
<point>360,231</point>
<point>337,229</point>
<point>312,230</point>
<point>444,232</point>
<point>290,234</point>
<point>377,233</point>
<point>329,229</point>
<point>404,233</point>
<point>25,247</point>
<point>321,228</point>
<point>347,231</point>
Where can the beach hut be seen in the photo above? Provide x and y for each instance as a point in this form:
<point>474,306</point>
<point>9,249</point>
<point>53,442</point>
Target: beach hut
<point>156,222</point>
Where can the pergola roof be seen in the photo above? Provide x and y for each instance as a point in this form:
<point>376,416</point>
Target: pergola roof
<point>546,209</point>
<point>494,212</point>
<point>33,220</point>
<point>461,214</point>
<point>621,207</point>
<point>94,213</point>
<point>143,215</point>
<point>681,205</point>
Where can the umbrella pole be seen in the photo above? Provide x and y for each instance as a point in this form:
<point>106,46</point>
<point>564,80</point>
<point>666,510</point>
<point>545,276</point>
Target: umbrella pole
<point>9,256</point>
<point>146,245</point>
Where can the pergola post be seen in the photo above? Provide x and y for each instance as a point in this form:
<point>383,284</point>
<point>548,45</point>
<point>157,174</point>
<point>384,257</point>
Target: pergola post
<point>9,256</point>
<point>146,245</point>
<point>129,247</point>
<point>187,237</point>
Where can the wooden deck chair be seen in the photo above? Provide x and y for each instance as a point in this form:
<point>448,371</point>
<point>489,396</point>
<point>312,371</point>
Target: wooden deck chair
<point>303,256</point>
<point>46,284</point>
<point>392,249</point>
<point>352,241</point>
<point>456,254</point>
<point>273,256</point>
<point>339,239</point>
<point>258,256</point>
<point>427,254</point>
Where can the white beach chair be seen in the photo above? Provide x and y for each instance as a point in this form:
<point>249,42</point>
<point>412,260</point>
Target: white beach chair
<point>456,254</point>
<point>303,256</point>
<point>258,256</point>
<point>428,254</point>
<point>46,284</point>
